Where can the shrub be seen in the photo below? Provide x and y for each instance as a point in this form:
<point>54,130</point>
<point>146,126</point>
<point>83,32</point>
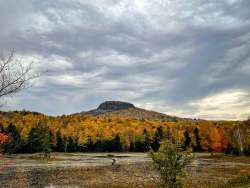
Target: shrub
<point>171,162</point>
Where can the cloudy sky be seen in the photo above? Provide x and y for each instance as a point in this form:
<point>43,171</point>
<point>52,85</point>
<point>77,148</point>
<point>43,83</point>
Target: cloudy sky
<point>187,58</point>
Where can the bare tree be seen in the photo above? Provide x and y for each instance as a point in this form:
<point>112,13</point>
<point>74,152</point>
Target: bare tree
<point>14,75</point>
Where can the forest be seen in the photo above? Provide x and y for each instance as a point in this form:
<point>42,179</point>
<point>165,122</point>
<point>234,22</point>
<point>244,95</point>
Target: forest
<point>29,132</point>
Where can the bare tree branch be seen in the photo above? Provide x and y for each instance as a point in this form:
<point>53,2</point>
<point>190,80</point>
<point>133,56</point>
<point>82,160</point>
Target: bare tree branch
<point>14,76</point>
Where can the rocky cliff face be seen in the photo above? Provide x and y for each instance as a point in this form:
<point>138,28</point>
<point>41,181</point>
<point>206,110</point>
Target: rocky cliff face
<point>110,106</point>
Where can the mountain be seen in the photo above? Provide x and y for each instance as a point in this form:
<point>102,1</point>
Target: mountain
<point>110,106</point>
<point>119,109</point>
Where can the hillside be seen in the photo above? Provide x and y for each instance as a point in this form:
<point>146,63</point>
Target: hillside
<point>124,110</point>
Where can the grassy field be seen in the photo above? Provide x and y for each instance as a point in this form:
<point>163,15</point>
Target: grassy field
<point>130,170</point>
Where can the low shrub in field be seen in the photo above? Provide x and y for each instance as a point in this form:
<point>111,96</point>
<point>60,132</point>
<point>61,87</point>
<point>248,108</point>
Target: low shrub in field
<point>171,162</point>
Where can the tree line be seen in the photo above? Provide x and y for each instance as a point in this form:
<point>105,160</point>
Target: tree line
<point>42,139</point>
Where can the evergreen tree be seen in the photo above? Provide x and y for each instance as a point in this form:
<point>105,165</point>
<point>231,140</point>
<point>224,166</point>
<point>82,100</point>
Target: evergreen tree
<point>158,136</point>
<point>14,143</point>
<point>132,146</point>
<point>159,133</point>
<point>197,145</point>
<point>33,142</point>
<point>59,142</point>
<point>142,142</point>
<point>39,139</point>
<point>100,145</point>
<point>2,129</point>
<point>146,139</point>
<point>89,145</point>
<point>52,141</point>
<point>117,145</point>
<point>187,141</point>
<point>139,145</point>
<point>72,145</point>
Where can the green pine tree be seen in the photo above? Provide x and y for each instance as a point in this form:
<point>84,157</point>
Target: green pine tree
<point>117,145</point>
<point>72,145</point>
<point>59,142</point>
<point>2,130</point>
<point>39,139</point>
<point>187,141</point>
<point>197,145</point>
<point>158,137</point>
<point>14,144</point>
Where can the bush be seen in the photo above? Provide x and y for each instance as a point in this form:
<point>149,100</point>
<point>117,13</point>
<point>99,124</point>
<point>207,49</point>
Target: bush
<point>171,162</point>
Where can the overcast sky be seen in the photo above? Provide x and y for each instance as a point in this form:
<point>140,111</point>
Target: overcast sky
<point>187,58</point>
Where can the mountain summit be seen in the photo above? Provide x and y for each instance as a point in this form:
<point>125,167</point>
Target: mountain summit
<point>109,106</point>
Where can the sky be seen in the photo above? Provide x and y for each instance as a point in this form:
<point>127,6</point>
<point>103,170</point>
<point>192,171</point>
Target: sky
<point>185,58</point>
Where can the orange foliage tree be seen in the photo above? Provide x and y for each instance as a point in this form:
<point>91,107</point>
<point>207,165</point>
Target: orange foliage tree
<point>3,138</point>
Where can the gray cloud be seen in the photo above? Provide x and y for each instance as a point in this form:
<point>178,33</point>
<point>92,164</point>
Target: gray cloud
<point>163,55</point>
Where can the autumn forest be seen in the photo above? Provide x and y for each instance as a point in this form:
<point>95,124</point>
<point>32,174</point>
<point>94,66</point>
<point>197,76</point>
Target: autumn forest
<point>24,131</point>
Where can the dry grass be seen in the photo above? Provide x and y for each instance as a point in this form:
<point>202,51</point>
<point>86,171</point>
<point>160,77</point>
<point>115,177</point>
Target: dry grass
<point>205,172</point>
<point>140,175</point>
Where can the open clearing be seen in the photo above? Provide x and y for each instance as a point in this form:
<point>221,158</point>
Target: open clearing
<point>95,170</point>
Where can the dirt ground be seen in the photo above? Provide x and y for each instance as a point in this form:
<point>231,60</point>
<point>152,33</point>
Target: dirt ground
<point>95,170</point>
